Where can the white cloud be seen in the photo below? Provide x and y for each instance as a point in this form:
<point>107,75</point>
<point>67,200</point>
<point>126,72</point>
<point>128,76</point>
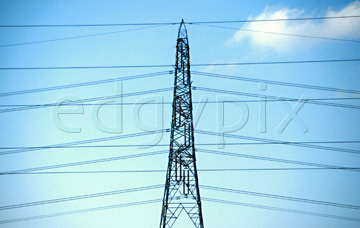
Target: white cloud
<point>334,28</point>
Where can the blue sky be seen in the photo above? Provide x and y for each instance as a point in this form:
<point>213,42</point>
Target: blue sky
<point>20,47</point>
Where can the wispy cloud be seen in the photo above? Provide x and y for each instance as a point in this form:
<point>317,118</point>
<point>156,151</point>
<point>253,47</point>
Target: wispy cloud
<point>334,28</point>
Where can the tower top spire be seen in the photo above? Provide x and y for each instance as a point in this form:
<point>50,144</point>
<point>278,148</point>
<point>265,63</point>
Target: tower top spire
<point>182,31</point>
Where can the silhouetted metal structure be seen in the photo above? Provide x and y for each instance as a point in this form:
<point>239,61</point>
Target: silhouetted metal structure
<point>181,187</point>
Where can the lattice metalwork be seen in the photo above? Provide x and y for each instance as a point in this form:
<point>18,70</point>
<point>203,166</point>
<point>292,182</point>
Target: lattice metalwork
<point>181,187</point>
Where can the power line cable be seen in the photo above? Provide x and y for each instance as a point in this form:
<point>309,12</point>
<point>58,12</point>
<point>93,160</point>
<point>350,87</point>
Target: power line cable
<point>171,66</point>
<point>305,145</point>
<point>302,200</point>
<point>282,34</point>
<point>171,103</point>
<point>81,197</point>
<point>90,172</point>
<point>280,209</point>
<point>247,156</point>
<point>277,19</point>
<point>80,211</point>
<point>74,143</point>
<point>275,63</point>
<point>275,82</point>
<point>78,102</point>
<point>128,30</point>
<point>176,23</point>
<point>88,162</point>
<point>310,101</point>
<point>88,67</point>
<point>91,25</point>
<point>109,159</point>
<point>159,200</point>
<point>163,171</point>
<point>82,84</point>
<point>76,37</point>
<point>162,145</point>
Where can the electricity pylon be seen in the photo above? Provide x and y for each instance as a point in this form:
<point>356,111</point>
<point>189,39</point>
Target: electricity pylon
<point>181,187</point>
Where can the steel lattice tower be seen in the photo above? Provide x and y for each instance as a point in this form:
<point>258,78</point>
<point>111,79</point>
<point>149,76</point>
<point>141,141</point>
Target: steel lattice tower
<point>181,187</point>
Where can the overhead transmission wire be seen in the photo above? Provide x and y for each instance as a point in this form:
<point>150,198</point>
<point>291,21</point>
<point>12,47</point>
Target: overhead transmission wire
<point>163,171</point>
<point>166,145</point>
<point>76,37</point>
<point>170,102</point>
<point>262,140</point>
<point>85,141</point>
<point>302,200</point>
<point>159,200</point>
<point>282,34</point>
<point>87,162</point>
<point>176,23</point>
<point>301,100</point>
<point>279,209</point>
<point>25,106</point>
<point>81,197</point>
<point>83,84</point>
<point>165,24</point>
<point>80,211</point>
<point>280,83</point>
<point>22,108</point>
<point>123,191</point>
<point>170,66</point>
<point>90,172</point>
<point>155,25</point>
<point>275,19</point>
<point>90,25</point>
<point>151,187</point>
<point>305,145</point>
<point>89,83</point>
<point>278,160</point>
<point>238,155</point>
